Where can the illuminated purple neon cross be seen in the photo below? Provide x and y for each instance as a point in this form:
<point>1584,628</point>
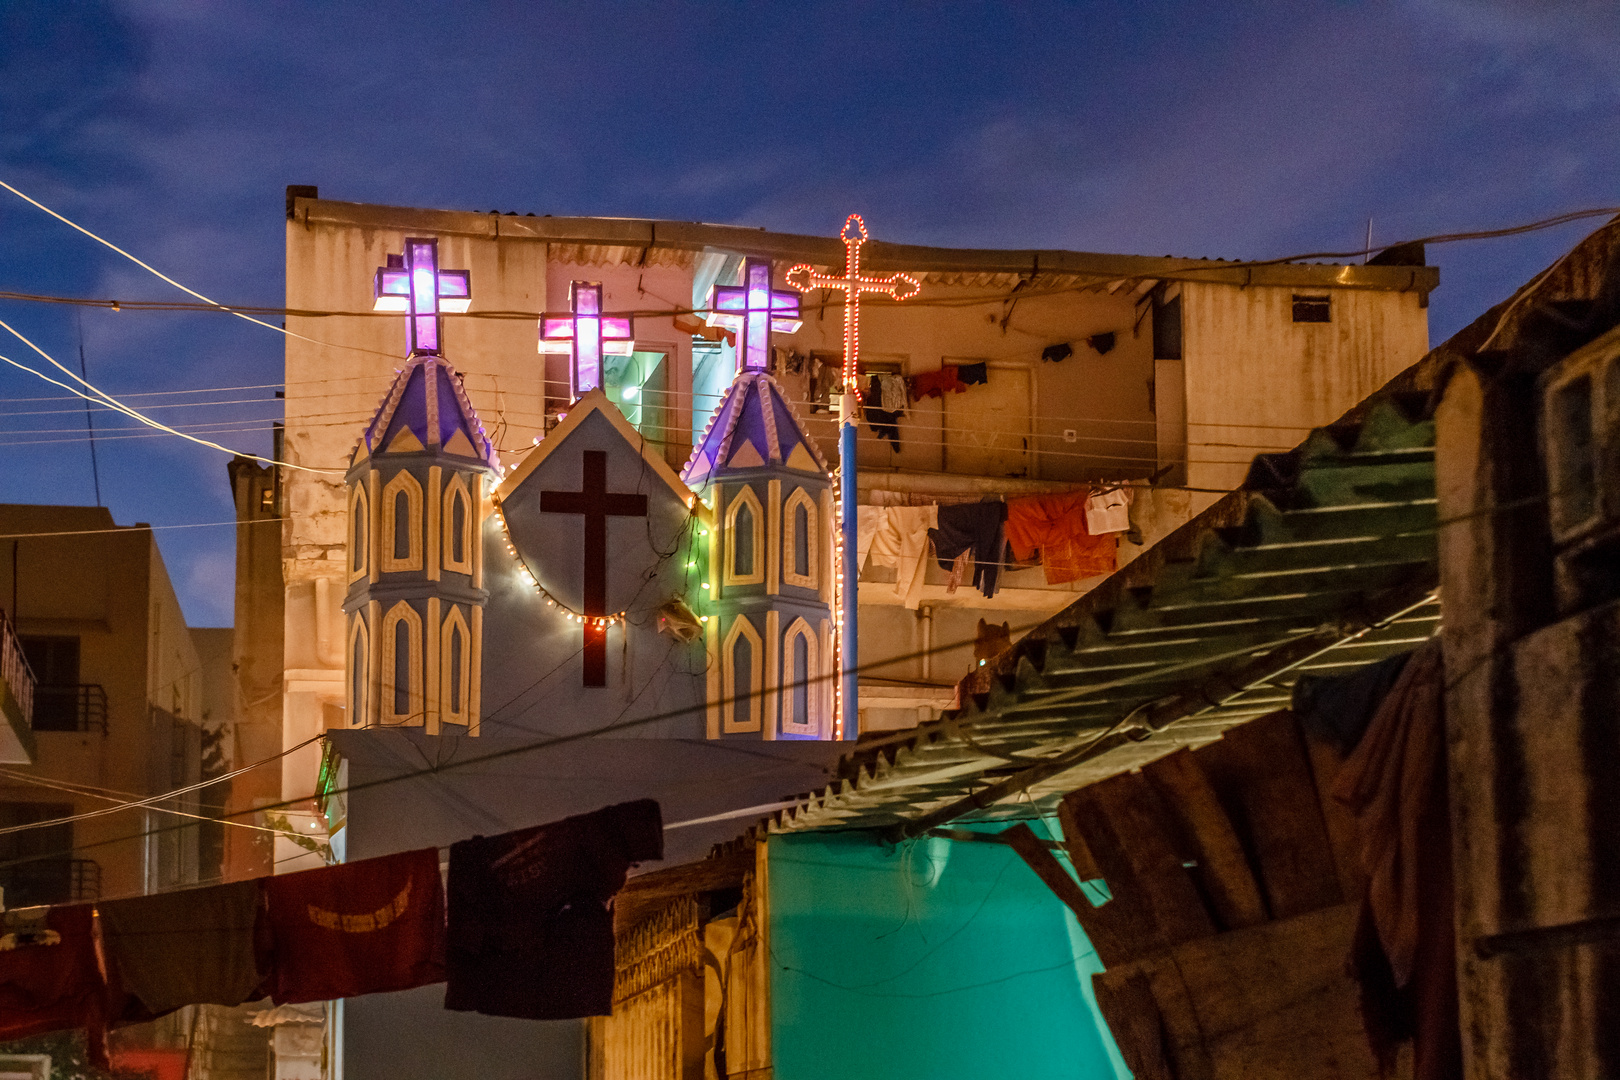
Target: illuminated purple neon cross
<point>585,334</point>
<point>753,309</point>
<point>413,283</point>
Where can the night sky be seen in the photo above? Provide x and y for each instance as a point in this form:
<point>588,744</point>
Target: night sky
<point>1256,130</point>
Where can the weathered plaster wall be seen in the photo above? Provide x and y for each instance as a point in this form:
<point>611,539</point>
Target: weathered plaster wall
<point>1259,381</point>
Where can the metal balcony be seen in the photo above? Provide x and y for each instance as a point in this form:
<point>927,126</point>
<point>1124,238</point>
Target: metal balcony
<point>16,700</point>
<point>70,708</point>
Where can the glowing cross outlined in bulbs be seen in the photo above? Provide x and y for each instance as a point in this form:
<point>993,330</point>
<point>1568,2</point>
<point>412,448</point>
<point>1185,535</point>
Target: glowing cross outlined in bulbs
<point>414,284</point>
<point>586,334</point>
<point>895,286</point>
<point>753,309</point>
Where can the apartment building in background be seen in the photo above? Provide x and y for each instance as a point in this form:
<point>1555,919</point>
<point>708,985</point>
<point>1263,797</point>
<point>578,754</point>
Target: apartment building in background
<point>120,710</point>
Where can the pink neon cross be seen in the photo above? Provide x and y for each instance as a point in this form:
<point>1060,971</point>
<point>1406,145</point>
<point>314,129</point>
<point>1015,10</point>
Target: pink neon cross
<point>895,286</point>
<point>753,309</point>
<point>585,334</point>
<point>414,284</point>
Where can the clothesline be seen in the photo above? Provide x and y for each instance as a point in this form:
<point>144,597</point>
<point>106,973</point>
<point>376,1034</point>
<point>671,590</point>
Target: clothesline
<point>1073,535</point>
<point>527,932</point>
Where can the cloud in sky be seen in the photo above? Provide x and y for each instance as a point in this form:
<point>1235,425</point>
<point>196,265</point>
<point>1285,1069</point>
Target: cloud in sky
<point>1224,130</point>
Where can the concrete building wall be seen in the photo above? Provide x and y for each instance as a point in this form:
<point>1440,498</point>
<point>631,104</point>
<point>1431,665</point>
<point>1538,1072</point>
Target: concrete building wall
<point>1256,381</point>
<point>256,657</point>
<point>111,592</point>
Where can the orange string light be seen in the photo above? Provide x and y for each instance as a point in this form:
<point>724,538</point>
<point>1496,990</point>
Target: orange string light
<point>895,286</point>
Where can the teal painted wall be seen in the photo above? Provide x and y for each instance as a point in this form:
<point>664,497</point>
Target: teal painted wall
<point>938,960</point>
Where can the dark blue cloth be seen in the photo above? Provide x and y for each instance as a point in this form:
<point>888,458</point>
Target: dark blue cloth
<point>976,527</point>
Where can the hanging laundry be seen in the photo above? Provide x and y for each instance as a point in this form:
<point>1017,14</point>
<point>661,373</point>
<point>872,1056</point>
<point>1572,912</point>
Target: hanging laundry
<point>893,393</point>
<point>531,926</point>
<point>822,377</point>
<point>973,374</point>
<point>358,928</point>
<point>898,538</point>
<point>975,527</point>
<point>1404,953</point>
<point>936,383</point>
<point>1055,526</point>
<point>884,424</point>
<point>959,570</point>
<point>1108,510</point>
<point>193,947</point>
<point>1057,353</point>
<point>1102,343</point>
<point>49,977</point>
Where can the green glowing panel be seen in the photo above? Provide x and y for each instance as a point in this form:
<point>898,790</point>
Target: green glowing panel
<point>941,960</point>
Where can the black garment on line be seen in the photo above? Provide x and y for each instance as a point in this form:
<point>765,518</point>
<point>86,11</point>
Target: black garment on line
<point>885,425</point>
<point>531,929</point>
<point>973,374</point>
<point>1339,707</point>
<point>1057,353</point>
<point>977,527</point>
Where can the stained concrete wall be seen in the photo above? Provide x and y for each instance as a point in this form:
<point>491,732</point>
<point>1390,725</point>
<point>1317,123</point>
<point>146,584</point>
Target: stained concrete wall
<point>1256,381</point>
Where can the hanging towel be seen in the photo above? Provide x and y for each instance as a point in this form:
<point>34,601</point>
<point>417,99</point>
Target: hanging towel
<point>893,394</point>
<point>357,928</point>
<point>531,926</point>
<point>973,374</point>
<point>1055,526</point>
<point>193,947</point>
<point>975,527</point>
<point>1109,511</point>
<point>49,978</point>
<point>900,541</point>
<point>937,383</point>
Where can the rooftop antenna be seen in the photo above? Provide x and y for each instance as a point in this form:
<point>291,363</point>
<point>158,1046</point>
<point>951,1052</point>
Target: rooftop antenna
<point>1366,251</point>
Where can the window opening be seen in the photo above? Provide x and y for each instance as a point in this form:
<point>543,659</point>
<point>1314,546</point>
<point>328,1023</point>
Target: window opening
<point>801,680</point>
<point>801,540</point>
<point>1317,309</point>
<point>402,526</point>
<point>455,669</point>
<point>402,668</point>
<point>458,528</point>
<point>742,542</point>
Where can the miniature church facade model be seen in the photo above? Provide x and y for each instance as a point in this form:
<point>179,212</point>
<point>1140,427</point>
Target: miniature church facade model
<point>584,587</point>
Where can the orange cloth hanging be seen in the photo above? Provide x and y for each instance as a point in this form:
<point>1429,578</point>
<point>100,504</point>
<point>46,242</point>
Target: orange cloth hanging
<point>1055,525</point>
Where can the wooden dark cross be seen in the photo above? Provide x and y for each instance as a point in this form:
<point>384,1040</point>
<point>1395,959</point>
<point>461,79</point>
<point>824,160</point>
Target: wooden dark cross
<point>597,504</point>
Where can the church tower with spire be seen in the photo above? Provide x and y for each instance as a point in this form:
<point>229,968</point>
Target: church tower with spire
<point>772,670</point>
<point>417,488</point>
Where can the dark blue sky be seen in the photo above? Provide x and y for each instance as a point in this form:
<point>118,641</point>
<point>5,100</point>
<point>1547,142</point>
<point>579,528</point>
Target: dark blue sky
<point>1239,130</point>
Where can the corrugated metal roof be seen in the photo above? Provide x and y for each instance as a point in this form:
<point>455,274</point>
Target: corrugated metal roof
<point>1340,525</point>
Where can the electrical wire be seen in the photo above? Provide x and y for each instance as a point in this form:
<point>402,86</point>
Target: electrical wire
<point>131,412</point>
<point>213,304</point>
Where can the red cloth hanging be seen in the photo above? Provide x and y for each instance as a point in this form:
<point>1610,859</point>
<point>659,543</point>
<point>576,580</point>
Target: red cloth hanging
<point>946,380</point>
<point>360,928</point>
<point>50,978</point>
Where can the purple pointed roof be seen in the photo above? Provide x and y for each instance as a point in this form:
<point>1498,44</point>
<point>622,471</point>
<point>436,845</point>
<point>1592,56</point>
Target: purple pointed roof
<point>754,427</point>
<point>428,400</point>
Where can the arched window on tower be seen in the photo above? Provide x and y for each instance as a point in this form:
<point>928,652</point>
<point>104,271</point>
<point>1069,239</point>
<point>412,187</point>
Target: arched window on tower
<point>801,702</point>
<point>745,539</point>
<point>401,524</point>
<point>455,668</point>
<point>743,671</point>
<point>801,543</point>
<point>359,532</point>
<point>401,700</point>
<point>359,670</point>
<point>458,526</point>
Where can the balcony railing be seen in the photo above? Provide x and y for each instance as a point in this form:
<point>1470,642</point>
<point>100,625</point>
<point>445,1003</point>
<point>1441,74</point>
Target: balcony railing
<point>70,708</point>
<point>51,881</point>
<point>15,672</point>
